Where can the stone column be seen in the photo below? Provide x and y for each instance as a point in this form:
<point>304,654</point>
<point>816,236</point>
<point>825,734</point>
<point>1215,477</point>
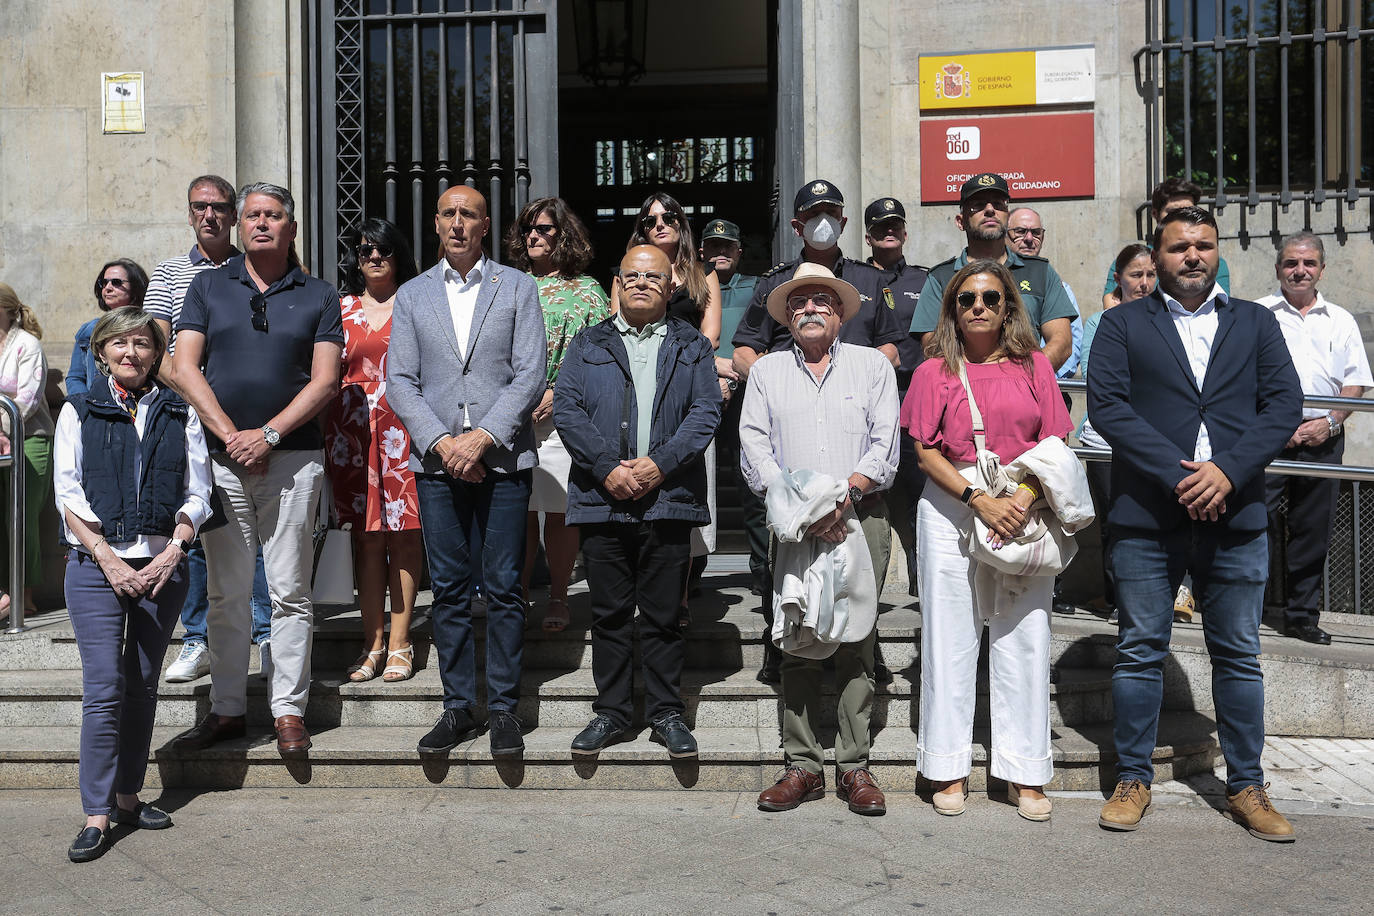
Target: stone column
<point>831,109</point>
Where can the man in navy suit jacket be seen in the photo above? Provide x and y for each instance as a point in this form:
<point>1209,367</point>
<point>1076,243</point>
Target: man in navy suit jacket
<point>1196,394</point>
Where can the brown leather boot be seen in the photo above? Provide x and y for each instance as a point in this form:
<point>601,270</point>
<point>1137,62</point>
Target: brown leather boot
<point>792,788</point>
<point>1126,807</point>
<point>292,738</point>
<point>860,789</point>
<point>1251,808</point>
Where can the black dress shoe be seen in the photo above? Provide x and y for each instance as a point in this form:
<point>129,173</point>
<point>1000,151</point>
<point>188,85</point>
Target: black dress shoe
<point>599,732</point>
<point>210,730</point>
<point>504,730</point>
<point>882,674</point>
<point>673,733</point>
<point>144,817</point>
<point>1308,632</point>
<point>89,844</point>
<point>453,728</point>
<point>1063,607</point>
<point>771,670</point>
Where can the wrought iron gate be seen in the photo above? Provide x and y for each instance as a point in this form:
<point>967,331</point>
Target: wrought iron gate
<point>419,95</point>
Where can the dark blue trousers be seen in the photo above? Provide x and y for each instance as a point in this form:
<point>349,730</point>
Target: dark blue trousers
<point>470,527</point>
<point>122,642</point>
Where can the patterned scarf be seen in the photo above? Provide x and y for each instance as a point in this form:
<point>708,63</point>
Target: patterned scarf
<point>129,399</point>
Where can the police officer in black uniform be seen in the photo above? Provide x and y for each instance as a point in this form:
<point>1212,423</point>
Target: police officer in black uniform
<point>885,234</point>
<point>818,219</point>
<point>983,210</point>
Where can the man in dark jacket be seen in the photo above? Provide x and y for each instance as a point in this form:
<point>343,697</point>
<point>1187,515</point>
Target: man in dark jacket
<point>637,403</point>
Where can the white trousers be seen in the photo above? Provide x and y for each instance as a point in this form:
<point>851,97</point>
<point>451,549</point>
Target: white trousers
<point>276,510</point>
<point>958,596</point>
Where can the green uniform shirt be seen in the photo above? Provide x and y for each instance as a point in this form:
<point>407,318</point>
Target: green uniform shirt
<point>734,302</point>
<point>1040,286</point>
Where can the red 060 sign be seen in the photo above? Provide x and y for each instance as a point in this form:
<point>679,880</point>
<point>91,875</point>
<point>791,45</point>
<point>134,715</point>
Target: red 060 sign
<point>1042,156</point>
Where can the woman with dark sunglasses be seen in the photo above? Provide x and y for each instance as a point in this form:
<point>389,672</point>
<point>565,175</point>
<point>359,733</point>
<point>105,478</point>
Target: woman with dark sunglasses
<point>550,242</point>
<point>367,453</point>
<point>696,299</point>
<point>984,334</point>
<point>121,283</point>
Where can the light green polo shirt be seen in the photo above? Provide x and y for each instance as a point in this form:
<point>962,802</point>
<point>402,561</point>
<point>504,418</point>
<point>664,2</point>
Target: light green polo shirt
<point>642,348</point>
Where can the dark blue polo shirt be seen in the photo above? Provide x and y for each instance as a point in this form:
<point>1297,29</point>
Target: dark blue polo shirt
<point>255,374</point>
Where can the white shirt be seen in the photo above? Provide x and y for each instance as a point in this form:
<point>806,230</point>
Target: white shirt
<point>1326,347</point>
<point>1198,331</point>
<point>844,422</point>
<point>67,478</point>
<point>462,302</point>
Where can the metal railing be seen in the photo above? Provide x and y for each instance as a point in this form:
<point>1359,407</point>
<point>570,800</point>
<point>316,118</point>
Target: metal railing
<point>14,462</point>
<point>1347,509</point>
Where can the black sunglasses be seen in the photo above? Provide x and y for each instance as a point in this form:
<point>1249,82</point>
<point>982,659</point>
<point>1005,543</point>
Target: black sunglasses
<point>365,250</point>
<point>116,282</point>
<point>649,221</point>
<point>259,305</point>
<point>992,299</point>
<point>544,229</point>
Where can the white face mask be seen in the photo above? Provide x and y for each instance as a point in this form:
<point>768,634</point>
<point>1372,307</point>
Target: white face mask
<point>822,231</point>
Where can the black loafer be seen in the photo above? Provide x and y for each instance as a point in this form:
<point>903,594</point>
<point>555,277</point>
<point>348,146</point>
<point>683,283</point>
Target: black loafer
<point>1309,632</point>
<point>504,730</point>
<point>882,674</point>
<point>144,817</point>
<point>453,728</point>
<point>89,844</point>
<point>673,733</point>
<point>599,732</point>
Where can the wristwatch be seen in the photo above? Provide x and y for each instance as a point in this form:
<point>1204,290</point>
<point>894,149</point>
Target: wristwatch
<point>969,493</point>
<point>1333,425</point>
<point>271,436</point>
<point>181,545</point>
<point>855,495</point>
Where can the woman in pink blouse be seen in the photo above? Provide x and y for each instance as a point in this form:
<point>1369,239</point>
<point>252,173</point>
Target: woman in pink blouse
<point>984,328</point>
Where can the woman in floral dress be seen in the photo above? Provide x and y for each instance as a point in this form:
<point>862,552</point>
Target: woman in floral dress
<point>550,242</point>
<point>368,452</point>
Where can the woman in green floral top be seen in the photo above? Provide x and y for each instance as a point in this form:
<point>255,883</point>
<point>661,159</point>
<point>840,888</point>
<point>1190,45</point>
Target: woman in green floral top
<point>550,242</point>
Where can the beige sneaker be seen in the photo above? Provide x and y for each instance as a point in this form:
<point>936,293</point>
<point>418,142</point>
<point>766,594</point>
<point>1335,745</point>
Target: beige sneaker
<point>1184,605</point>
<point>1126,807</point>
<point>1252,809</point>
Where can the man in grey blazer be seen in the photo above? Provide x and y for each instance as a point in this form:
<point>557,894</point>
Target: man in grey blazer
<point>465,368</point>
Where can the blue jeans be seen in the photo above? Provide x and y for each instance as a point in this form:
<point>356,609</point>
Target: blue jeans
<point>1229,571</point>
<point>471,528</point>
<point>198,602</point>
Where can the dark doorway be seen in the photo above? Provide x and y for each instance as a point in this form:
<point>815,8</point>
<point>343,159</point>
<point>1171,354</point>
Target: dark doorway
<point>698,124</point>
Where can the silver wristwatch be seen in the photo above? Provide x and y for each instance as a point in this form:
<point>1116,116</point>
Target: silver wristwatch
<point>1334,427</point>
<point>271,436</point>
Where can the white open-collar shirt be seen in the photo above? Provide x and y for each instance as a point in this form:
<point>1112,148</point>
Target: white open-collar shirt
<point>1198,332</point>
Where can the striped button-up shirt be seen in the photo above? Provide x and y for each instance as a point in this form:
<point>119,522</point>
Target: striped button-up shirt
<point>842,423</point>
<point>169,283</point>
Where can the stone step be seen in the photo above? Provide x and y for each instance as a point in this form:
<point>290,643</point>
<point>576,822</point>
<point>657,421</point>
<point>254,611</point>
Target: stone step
<point>731,759</point>
<point>559,699</point>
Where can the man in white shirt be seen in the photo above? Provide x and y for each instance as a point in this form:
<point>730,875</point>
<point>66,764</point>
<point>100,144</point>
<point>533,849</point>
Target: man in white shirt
<point>464,370</point>
<point>1329,354</point>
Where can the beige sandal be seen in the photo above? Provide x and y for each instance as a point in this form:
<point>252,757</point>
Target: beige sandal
<point>365,668</point>
<point>403,672</point>
<point>557,617</point>
<point>951,800</point>
<point>1029,807</point>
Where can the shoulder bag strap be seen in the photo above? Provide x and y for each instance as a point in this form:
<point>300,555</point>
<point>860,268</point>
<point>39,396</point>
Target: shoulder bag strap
<point>979,440</point>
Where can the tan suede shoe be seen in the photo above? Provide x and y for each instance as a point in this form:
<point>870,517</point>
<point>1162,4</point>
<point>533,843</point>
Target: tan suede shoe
<point>1252,809</point>
<point>1126,807</point>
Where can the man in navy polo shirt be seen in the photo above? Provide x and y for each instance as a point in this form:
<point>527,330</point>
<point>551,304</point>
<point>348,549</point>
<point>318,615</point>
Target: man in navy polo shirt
<point>258,347</point>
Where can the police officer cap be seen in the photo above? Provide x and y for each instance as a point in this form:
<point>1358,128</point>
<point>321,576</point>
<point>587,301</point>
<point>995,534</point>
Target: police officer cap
<point>987,181</point>
<point>816,192</point>
<point>883,208</point>
<point>721,229</point>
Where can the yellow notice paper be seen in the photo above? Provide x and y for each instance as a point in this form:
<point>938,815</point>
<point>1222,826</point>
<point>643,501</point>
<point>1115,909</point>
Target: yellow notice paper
<point>122,103</point>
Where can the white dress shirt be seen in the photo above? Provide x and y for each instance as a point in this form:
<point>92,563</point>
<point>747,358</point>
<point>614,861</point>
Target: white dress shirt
<point>844,422</point>
<point>1326,347</point>
<point>71,495</point>
<point>1198,331</point>
<point>462,302</point>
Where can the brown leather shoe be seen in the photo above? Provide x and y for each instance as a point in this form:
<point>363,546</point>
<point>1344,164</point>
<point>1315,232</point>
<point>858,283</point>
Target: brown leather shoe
<point>1251,808</point>
<point>860,789</point>
<point>792,788</point>
<point>1126,807</point>
<point>292,738</point>
<point>210,730</point>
